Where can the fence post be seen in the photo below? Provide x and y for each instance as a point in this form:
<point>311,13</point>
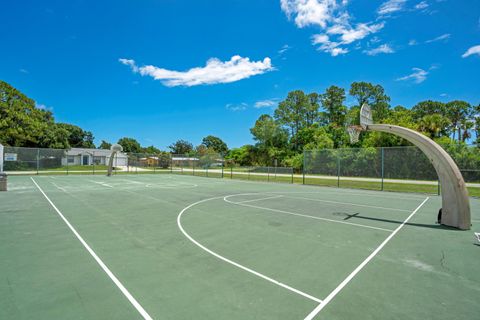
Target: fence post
<point>383,167</point>
<point>248,174</point>
<point>231,172</point>
<point>268,174</point>
<point>303,169</point>
<point>292,175</point>
<point>338,170</point>
<point>93,162</point>
<point>171,163</point>
<point>193,166</point>
<point>438,187</point>
<point>38,160</point>
<point>66,153</point>
<point>223,163</point>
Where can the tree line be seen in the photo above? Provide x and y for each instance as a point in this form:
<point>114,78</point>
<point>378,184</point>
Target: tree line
<point>302,121</point>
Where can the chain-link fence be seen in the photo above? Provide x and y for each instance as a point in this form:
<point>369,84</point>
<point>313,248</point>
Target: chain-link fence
<point>207,165</point>
<point>19,160</point>
<point>265,174</point>
<point>391,169</point>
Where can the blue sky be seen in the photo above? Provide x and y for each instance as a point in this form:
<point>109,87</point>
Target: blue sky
<point>163,70</point>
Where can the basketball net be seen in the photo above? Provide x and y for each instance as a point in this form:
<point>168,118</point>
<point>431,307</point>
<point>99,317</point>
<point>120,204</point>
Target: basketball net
<point>354,133</point>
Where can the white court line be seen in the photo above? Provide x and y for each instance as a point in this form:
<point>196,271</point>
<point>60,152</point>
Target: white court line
<point>115,280</point>
<point>306,215</point>
<point>58,187</point>
<point>329,298</point>
<point>101,183</point>
<point>238,265</point>
<point>350,204</point>
<point>274,197</point>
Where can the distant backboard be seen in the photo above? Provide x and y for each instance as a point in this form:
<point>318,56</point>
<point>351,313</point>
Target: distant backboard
<point>365,116</point>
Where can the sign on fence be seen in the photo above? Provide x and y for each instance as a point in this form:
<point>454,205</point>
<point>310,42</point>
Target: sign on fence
<point>10,157</point>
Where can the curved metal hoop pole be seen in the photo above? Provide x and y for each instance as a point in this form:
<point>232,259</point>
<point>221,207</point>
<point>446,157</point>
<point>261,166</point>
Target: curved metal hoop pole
<point>455,201</point>
<point>110,163</point>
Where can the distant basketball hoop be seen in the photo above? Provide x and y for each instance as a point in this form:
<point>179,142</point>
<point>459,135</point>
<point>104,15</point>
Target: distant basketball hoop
<point>114,148</point>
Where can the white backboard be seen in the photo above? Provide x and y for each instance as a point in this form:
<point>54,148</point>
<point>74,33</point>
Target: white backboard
<point>365,116</point>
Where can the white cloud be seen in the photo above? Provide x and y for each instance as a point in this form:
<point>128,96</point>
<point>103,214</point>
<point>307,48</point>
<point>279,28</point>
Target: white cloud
<point>236,107</point>
<point>284,49</point>
<point>215,71</point>
<point>421,5</point>
<point>310,12</point>
<point>25,71</point>
<point>349,34</point>
<point>418,76</point>
<point>334,21</point>
<point>445,36</point>
<point>384,48</point>
<point>471,51</point>
<point>266,103</point>
<point>412,42</point>
<point>391,6</point>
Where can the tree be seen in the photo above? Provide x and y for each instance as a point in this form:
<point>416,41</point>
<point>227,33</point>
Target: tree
<point>268,133</point>
<point>181,147</point>
<point>457,112</point>
<point>215,143</point>
<point>271,139</point>
<point>312,109</point>
<point>22,124</point>
<point>332,101</point>
<point>476,117</point>
<point>242,156</point>
<point>130,145</point>
<point>151,150</point>
<point>428,107</point>
<point>292,112</point>
<point>77,137</point>
<point>315,138</point>
<point>373,95</point>
<point>105,145</point>
<point>434,125</point>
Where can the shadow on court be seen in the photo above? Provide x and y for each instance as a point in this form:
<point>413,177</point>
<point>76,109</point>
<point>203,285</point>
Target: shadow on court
<point>421,225</point>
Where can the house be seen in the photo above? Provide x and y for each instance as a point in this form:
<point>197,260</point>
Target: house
<point>87,157</point>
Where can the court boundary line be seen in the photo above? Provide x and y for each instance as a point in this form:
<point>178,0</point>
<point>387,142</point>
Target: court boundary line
<point>236,264</point>
<point>303,215</point>
<point>350,204</point>
<point>99,261</point>
<point>332,294</point>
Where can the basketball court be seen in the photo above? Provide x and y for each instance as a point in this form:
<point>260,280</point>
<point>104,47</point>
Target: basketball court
<point>181,247</point>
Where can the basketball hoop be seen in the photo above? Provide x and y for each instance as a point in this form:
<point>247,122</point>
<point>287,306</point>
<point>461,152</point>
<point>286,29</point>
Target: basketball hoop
<point>354,133</point>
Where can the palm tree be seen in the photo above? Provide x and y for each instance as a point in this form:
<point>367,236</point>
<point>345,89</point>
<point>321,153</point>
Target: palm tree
<point>458,111</point>
<point>435,125</point>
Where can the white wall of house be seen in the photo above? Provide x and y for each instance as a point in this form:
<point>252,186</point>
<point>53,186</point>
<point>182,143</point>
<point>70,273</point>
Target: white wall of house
<point>81,156</point>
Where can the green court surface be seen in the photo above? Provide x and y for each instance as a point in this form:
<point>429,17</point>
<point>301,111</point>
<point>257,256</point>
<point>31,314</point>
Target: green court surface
<point>181,247</point>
